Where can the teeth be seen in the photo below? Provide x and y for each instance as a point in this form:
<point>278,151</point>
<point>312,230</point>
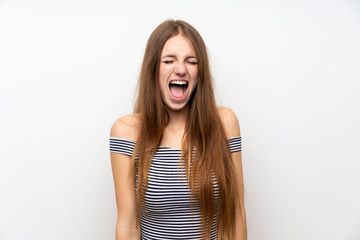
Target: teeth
<point>179,82</point>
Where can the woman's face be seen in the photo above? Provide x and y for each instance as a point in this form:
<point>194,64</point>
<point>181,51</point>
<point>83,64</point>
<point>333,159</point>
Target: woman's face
<point>178,74</point>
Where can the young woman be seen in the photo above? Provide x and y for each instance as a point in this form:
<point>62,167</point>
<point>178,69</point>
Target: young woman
<point>176,161</point>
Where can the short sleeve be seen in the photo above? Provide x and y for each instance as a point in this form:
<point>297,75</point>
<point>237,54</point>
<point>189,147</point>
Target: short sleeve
<point>235,144</point>
<point>123,146</point>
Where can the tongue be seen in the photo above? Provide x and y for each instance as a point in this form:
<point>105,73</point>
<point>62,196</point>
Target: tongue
<point>177,91</point>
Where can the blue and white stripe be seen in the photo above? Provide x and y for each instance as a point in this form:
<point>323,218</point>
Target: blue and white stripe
<point>169,212</point>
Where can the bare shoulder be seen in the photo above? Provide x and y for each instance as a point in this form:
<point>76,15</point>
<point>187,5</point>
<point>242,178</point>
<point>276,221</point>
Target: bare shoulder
<point>126,127</point>
<point>229,121</point>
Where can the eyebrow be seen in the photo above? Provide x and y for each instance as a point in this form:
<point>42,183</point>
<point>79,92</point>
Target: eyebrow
<point>173,56</point>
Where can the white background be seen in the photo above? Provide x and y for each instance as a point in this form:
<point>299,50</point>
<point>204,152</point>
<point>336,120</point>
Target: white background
<point>290,70</point>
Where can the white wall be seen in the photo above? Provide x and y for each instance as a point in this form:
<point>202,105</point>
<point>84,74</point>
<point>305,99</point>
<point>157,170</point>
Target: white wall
<point>289,69</point>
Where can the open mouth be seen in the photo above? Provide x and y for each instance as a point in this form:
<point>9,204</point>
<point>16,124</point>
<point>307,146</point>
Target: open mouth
<point>178,89</point>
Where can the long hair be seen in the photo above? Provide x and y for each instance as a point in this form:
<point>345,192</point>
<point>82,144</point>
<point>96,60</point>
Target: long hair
<point>205,157</point>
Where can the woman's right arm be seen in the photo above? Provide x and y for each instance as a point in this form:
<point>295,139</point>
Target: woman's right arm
<point>121,164</point>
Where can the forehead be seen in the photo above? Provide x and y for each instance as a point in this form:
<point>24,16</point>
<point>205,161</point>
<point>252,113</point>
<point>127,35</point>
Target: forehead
<point>178,46</point>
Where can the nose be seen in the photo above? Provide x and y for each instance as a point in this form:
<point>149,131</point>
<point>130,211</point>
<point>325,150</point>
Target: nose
<point>180,69</point>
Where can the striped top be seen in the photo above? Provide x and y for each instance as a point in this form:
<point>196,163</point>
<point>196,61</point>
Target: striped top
<point>169,211</point>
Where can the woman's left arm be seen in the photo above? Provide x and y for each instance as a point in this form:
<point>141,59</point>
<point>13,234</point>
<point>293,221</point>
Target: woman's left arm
<point>232,129</point>
<point>240,217</point>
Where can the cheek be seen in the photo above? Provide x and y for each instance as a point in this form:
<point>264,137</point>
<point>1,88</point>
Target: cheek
<point>162,77</point>
<point>164,72</point>
<point>195,74</point>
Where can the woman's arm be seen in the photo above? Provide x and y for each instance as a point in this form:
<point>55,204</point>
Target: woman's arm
<point>121,164</point>
<point>232,129</point>
<point>240,217</point>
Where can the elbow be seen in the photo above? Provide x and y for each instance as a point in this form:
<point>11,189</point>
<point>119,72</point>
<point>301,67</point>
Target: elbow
<point>126,232</point>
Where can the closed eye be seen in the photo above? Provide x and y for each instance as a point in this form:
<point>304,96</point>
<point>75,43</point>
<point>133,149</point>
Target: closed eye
<point>192,62</point>
<point>168,61</point>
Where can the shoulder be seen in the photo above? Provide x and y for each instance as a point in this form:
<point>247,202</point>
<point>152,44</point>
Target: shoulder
<point>126,127</point>
<point>229,121</point>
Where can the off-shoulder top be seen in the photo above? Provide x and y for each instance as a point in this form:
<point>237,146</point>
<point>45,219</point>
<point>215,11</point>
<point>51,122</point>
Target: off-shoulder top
<point>169,212</point>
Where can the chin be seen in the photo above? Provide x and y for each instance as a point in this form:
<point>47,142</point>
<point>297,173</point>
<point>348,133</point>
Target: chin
<point>176,107</point>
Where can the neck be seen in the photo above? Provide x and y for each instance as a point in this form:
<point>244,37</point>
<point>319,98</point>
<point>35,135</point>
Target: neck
<point>177,120</point>
<point>174,130</point>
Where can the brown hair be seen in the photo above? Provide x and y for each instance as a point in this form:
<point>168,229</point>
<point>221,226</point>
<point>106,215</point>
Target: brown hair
<point>203,132</point>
